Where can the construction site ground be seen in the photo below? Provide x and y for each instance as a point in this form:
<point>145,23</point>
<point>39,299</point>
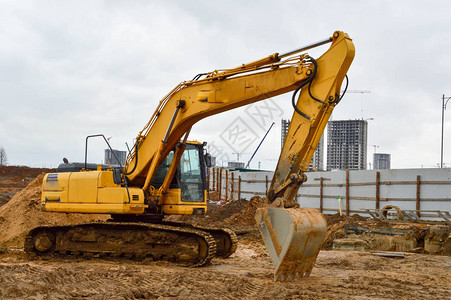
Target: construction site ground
<point>247,274</point>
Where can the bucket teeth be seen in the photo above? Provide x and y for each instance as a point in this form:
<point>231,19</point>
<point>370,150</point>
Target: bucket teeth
<point>298,269</point>
<point>293,238</point>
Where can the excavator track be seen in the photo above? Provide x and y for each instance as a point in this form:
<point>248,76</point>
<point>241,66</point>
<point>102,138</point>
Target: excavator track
<point>187,246</point>
<point>226,240</point>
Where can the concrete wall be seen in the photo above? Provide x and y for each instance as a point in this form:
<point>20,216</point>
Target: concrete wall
<point>405,188</point>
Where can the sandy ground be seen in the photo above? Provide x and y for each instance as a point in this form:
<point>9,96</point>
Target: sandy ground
<point>246,274</point>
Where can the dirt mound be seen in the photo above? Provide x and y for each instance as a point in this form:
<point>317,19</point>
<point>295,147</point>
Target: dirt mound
<point>336,225</point>
<point>236,215</point>
<point>215,216</point>
<point>22,171</point>
<point>446,247</point>
<point>246,216</point>
<point>336,218</point>
<point>219,214</point>
<point>23,212</point>
<point>4,198</point>
<point>15,178</point>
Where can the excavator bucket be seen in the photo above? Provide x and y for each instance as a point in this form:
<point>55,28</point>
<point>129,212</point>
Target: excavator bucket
<point>293,237</point>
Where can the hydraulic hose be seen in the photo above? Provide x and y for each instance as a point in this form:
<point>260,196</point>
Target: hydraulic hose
<point>346,88</point>
<point>136,160</point>
<point>309,81</point>
<point>315,70</point>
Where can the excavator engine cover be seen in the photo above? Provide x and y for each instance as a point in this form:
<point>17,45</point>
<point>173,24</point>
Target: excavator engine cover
<point>293,237</point>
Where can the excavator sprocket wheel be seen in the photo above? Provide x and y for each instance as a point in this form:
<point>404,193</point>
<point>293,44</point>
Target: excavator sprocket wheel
<point>226,240</point>
<point>293,238</point>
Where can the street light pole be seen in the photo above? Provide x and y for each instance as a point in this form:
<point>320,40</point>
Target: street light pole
<point>443,122</point>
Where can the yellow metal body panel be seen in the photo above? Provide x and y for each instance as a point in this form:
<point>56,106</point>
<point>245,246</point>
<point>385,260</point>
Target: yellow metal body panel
<point>90,192</point>
<point>173,204</point>
<point>174,197</point>
<point>113,195</point>
<point>106,179</point>
<point>182,209</point>
<point>95,208</point>
<point>55,187</point>
<point>83,187</point>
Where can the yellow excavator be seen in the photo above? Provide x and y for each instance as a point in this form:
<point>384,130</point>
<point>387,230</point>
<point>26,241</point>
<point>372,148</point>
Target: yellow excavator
<point>164,174</point>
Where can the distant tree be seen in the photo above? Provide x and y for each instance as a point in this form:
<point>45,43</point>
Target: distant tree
<point>3,157</point>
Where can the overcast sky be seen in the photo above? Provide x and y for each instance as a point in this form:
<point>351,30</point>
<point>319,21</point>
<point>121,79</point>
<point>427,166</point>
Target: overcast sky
<point>73,68</point>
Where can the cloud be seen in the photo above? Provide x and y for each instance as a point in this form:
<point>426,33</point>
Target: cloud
<point>69,69</point>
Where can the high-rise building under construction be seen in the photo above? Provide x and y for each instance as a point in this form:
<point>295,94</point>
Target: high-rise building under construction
<point>347,145</point>
<point>381,161</point>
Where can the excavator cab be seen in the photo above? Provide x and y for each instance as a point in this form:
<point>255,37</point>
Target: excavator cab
<point>187,194</point>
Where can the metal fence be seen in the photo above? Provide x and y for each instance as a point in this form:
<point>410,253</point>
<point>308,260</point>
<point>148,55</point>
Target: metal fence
<point>420,190</point>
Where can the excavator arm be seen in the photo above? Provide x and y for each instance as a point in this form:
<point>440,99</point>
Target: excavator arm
<point>224,90</point>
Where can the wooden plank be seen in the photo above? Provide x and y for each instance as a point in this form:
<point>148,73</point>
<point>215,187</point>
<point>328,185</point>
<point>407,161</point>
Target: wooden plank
<point>253,181</point>
<point>266,184</point>
<point>335,197</point>
<point>413,182</point>
<point>219,184</point>
<point>213,179</point>
<point>374,198</point>
<point>321,194</point>
<point>418,196</point>
<point>253,193</point>
<point>239,188</point>
<point>217,180</point>
<point>378,177</point>
<point>226,192</point>
<point>380,183</point>
<point>325,184</point>
<point>351,211</point>
<point>232,184</point>
<point>347,192</point>
<point>435,182</point>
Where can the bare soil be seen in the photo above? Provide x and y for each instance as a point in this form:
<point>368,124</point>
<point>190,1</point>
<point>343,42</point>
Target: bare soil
<point>246,274</point>
<point>14,178</point>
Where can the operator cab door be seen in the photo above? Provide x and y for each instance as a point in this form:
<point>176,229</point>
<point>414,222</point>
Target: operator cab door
<point>192,178</point>
<point>187,191</point>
